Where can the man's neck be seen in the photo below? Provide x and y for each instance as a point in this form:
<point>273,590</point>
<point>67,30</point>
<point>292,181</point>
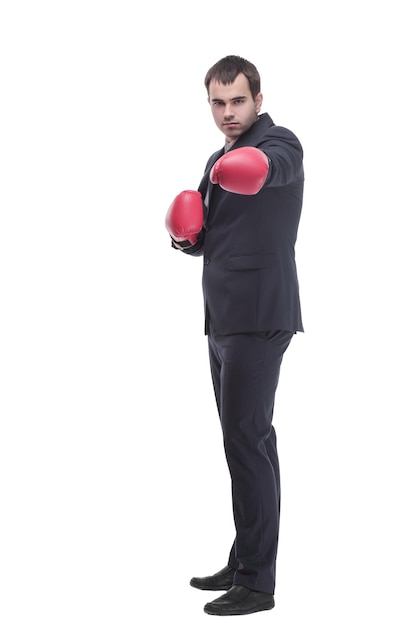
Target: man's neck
<point>229,144</point>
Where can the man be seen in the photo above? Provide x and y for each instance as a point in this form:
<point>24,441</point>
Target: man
<point>244,219</point>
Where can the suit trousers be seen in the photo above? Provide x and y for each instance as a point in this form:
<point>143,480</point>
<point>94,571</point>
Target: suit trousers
<point>245,371</point>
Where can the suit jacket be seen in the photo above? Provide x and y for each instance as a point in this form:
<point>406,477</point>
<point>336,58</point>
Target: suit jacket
<point>249,273</point>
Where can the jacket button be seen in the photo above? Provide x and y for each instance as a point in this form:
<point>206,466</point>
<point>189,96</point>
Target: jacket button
<point>206,261</point>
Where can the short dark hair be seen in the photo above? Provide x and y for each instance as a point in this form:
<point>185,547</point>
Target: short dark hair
<point>227,69</point>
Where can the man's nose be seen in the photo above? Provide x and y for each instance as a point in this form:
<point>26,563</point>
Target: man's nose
<point>228,111</point>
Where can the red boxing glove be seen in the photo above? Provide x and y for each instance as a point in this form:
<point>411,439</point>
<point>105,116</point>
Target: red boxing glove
<point>243,171</point>
<point>184,219</point>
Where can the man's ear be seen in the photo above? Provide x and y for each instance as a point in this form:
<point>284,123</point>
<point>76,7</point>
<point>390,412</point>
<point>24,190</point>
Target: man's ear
<point>258,102</point>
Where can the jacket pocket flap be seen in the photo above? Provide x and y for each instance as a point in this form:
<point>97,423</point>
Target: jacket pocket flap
<point>250,261</point>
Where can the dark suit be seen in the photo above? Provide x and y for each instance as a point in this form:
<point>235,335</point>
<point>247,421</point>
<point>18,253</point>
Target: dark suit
<point>250,278</point>
<point>252,310</point>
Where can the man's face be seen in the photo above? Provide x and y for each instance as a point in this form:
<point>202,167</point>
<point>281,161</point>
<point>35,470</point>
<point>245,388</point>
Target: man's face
<point>233,107</point>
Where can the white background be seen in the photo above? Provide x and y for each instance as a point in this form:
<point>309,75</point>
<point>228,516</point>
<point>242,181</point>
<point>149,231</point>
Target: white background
<point>114,488</point>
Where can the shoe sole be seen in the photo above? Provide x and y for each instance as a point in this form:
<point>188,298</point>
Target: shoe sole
<point>213,611</point>
<point>208,588</point>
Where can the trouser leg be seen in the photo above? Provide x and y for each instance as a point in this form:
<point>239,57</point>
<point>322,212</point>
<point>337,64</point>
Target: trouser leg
<point>245,370</point>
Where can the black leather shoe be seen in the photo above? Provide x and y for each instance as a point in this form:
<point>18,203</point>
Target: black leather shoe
<point>219,581</point>
<point>240,601</point>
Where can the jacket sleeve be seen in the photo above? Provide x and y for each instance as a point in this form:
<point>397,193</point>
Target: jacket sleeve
<point>197,249</point>
<point>285,154</point>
